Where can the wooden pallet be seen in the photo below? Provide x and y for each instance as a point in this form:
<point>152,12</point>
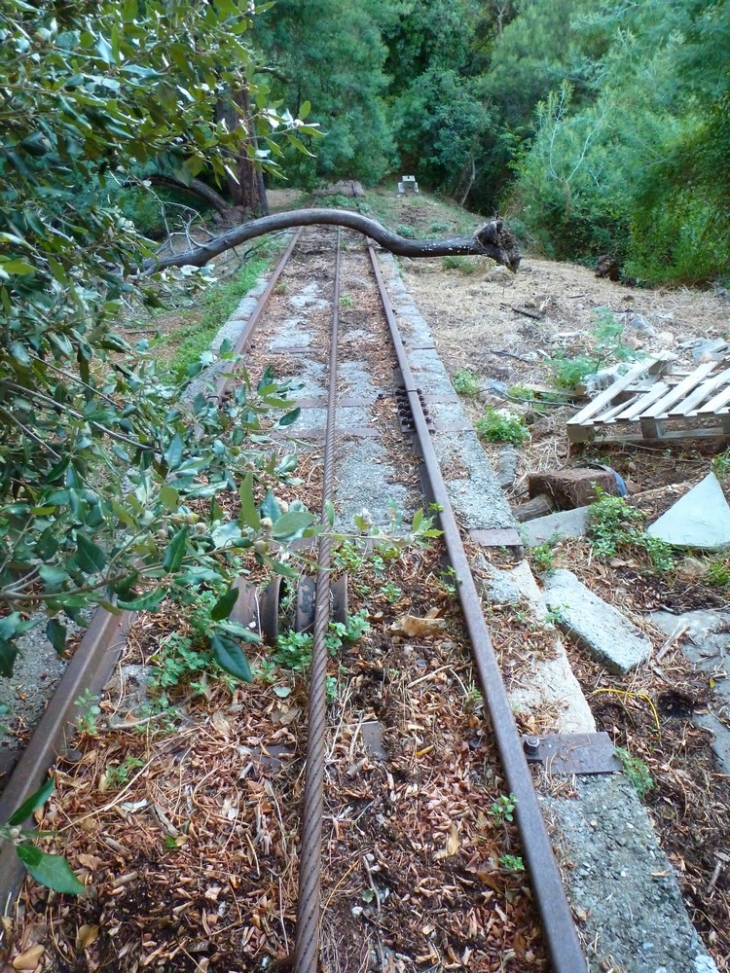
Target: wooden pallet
<point>649,403</point>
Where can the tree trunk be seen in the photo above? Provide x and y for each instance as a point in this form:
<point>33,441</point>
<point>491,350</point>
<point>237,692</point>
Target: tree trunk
<point>247,191</point>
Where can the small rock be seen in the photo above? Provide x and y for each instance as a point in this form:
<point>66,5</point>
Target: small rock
<point>712,350</point>
<point>665,337</point>
<point>639,323</point>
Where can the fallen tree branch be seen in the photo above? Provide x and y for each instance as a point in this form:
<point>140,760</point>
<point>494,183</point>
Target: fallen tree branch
<point>492,240</point>
<point>196,187</point>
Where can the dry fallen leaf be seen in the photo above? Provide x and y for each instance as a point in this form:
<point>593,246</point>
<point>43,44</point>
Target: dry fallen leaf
<point>86,936</point>
<point>287,714</point>
<point>453,843</point>
<point>29,959</point>
<point>414,627</point>
<point>222,725</point>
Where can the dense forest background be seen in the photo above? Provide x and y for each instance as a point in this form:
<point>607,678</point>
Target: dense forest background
<point>594,125</point>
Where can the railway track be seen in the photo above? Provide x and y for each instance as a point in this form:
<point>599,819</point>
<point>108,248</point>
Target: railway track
<point>362,409</point>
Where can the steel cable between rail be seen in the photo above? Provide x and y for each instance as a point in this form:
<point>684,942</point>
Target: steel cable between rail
<point>310,856</point>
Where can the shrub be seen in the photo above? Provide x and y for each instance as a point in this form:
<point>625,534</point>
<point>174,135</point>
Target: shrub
<point>501,426</point>
<point>466,383</point>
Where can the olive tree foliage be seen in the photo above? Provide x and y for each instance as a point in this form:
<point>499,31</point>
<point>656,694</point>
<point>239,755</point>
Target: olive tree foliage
<point>112,489</point>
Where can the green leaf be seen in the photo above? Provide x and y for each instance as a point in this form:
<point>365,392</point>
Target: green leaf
<point>304,109</point>
<point>170,498</point>
<point>291,524</point>
<point>270,508</point>
<point>289,418</point>
<point>146,602</point>
<point>249,513</point>
<point>56,633</point>
<point>52,577</point>
<point>298,144</point>
<point>229,656</point>
<point>53,871</point>
<point>37,799</point>
<point>174,452</point>
<point>105,50</point>
<point>19,352</point>
<point>224,606</point>
<point>242,633</point>
<point>175,552</point>
<point>19,266</point>
<point>89,556</point>
<point>329,509</point>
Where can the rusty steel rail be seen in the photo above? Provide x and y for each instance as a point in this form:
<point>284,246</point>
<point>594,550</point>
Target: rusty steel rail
<point>306,952</point>
<point>88,671</point>
<point>242,342</point>
<point>557,922</point>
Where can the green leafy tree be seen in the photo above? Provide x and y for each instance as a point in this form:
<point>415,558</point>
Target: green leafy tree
<point>427,35</point>
<point>440,123</point>
<point>100,459</point>
<point>330,53</point>
<point>640,167</point>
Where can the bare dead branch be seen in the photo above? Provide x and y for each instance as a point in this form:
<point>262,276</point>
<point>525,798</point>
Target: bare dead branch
<point>492,240</point>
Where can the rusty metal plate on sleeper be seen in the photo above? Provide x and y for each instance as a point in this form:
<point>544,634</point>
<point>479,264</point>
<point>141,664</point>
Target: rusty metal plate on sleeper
<point>573,753</point>
<point>496,537</point>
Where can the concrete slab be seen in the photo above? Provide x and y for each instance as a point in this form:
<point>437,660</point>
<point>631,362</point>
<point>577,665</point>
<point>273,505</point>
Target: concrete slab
<point>543,684</point>
<point>599,628</point>
<point>699,519</point>
<point>564,523</point>
<point>473,487</point>
<point>621,882</point>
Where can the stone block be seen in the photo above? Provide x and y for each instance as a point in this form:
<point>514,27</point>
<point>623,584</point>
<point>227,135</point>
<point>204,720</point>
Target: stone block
<point>606,635</point>
<point>564,523</point>
<point>700,519</point>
